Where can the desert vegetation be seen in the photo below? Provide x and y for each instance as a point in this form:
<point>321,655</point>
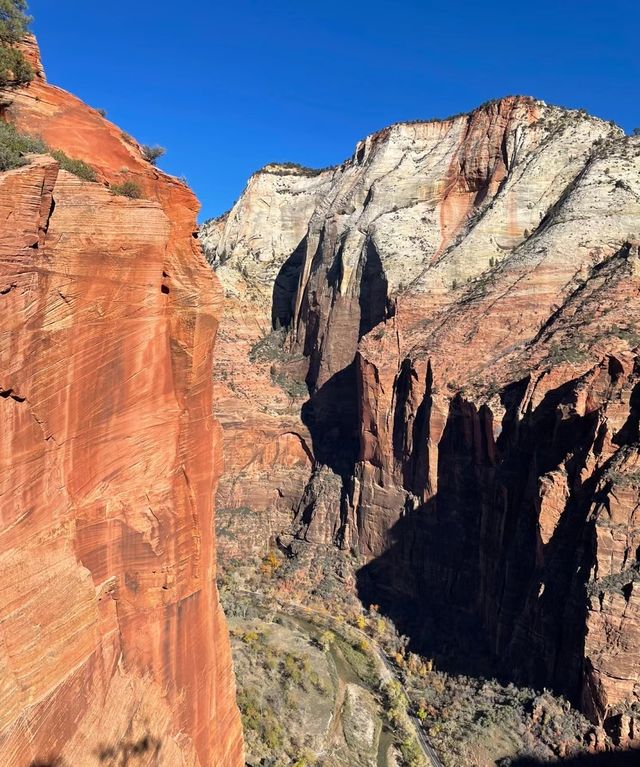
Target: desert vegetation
<point>14,21</point>
<point>127,189</point>
<point>152,153</point>
<point>312,695</point>
<point>287,168</point>
<point>16,146</point>
<point>469,720</point>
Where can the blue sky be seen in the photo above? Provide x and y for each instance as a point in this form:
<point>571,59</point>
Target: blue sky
<point>228,86</point>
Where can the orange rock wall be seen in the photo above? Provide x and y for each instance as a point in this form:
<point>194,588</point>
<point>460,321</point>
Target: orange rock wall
<point>113,647</point>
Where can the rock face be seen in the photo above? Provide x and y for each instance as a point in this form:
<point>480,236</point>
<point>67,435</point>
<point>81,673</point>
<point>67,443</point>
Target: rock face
<point>260,386</point>
<point>461,299</point>
<point>113,647</point>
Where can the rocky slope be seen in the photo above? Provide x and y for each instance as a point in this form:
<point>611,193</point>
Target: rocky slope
<point>460,298</point>
<point>113,647</point>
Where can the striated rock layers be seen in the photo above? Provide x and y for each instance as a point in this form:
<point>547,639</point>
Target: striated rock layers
<point>462,298</point>
<point>113,648</point>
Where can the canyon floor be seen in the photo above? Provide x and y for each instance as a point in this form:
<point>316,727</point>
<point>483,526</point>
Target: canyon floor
<point>305,656</point>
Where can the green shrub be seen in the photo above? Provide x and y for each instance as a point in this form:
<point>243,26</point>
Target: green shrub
<point>615,583</point>
<point>295,389</point>
<point>13,20</point>
<point>127,189</point>
<point>14,68</point>
<point>152,153</point>
<point>269,347</point>
<point>286,168</point>
<point>14,145</point>
<point>77,167</point>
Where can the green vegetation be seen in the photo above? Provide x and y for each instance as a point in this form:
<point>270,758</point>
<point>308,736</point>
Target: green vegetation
<point>288,168</point>
<point>397,707</point>
<point>127,189</point>
<point>294,388</point>
<point>563,353</point>
<point>152,153</point>
<point>467,717</point>
<point>77,167</point>
<point>326,639</point>
<point>14,68</point>
<point>469,720</point>
<point>260,720</point>
<point>15,145</point>
<point>358,656</point>
<point>269,347</point>
<point>617,583</point>
<point>284,685</point>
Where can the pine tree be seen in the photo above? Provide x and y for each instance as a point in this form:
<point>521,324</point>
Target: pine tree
<point>14,22</point>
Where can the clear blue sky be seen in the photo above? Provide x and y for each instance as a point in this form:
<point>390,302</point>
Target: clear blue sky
<point>230,86</point>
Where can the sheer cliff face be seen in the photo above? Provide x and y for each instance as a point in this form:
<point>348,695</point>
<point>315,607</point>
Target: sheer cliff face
<point>462,299</point>
<point>112,643</point>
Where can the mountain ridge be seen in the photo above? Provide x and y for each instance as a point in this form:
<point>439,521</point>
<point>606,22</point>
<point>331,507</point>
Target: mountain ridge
<point>448,282</point>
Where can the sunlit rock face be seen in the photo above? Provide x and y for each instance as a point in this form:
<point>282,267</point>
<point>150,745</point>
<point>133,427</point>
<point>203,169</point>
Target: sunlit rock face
<point>112,644</point>
<point>460,297</point>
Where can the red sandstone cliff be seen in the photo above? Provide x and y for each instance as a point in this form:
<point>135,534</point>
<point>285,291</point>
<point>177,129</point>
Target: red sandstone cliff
<point>112,642</point>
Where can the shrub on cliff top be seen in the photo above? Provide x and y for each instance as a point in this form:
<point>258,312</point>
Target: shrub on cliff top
<point>152,153</point>
<point>14,68</point>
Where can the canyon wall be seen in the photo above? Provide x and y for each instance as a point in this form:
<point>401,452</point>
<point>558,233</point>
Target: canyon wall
<point>113,647</point>
<point>460,299</point>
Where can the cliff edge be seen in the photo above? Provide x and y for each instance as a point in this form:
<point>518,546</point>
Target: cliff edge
<point>112,642</point>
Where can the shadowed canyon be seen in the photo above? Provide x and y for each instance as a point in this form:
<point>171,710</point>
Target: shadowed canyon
<point>429,362</point>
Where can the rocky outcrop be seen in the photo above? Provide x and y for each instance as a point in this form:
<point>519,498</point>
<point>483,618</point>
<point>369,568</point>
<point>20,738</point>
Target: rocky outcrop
<point>461,299</point>
<point>113,647</point>
<point>257,251</point>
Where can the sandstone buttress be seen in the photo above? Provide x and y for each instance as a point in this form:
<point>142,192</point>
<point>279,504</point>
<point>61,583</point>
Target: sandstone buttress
<point>112,641</point>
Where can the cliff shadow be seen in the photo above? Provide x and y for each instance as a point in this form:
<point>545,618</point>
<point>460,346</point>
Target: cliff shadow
<point>467,576</point>
<point>415,593</point>
<point>131,752</point>
<point>331,415</point>
<point>616,759</point>
<point>285,288</point>
<point>373,299</point>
